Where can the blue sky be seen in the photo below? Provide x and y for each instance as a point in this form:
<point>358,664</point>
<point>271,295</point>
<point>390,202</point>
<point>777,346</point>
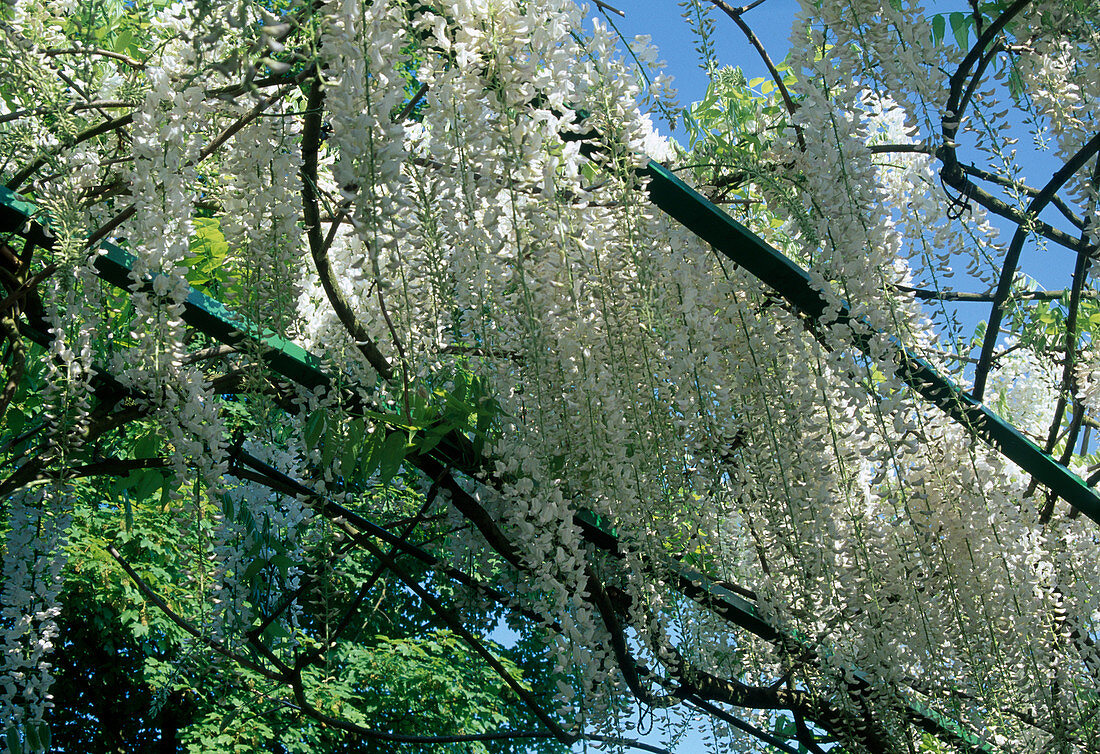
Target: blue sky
<point>662,20</point>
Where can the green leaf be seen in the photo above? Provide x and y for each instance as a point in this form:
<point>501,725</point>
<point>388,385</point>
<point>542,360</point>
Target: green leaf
<point>939,26</point>
<point>123,40</point>
<point>146,445</point>
<point>314,427</point>
<point>1015,82</point>
<point>129,510</point>
<point>208,249</point>
<point>960,26</point>
<point>487,410</point>
<point>15,420</point>
<point>371,455</point>
<point>392,420</point>
<point>209,241</point>
<point>275,630</point>
<point>149,480</point>
<point>31,730</point>
<point>15,744</point>
<point>253,568</point>
<point>328,452</point>
<point>391,455</point>
<point>434,435</point>
<point>349,459</point>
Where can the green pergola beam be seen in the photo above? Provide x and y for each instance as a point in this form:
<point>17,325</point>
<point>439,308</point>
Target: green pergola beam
<point>692,210</point>
<point>211,317</point>
<point>711,224</point>
<point>114,264</point>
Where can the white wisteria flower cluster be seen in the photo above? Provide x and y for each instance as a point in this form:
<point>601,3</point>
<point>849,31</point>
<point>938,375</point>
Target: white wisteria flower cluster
<point>432,196</point>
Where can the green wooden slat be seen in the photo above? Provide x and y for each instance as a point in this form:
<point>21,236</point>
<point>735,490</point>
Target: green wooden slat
<point>205,314</point>
<point>212,318</point>
<point>738,243</point>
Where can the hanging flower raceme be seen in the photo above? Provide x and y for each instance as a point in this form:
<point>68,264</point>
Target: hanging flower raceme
<point>443,202</point>
<point>33,559</point>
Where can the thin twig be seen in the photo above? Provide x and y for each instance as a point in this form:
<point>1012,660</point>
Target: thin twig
<point>186,625</point>
<point>735,14</point>
<point>132,62</point>
<point>454,624</point>
<point>122,121</point>
<point>932,294</point>
<point>407,110</point>
<point>956,100</point>
<point>365,587</point>
<point>900,149</point>
<point>604,6</point>
<point>279,482</point>
<point>18,356</point>
<point>213,352</point>
<point>1012,256</point>
<point>117,467</point>
<point>76,107</point>
<point>107,228</point>
<point>627,665</point>
<point>952,173</point>
<point>19,293</point>
<point>311,143</point>
<point>242,121</point>
<point>1001,180</point>
<point>400,352</point>
<point>1069,379</point>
